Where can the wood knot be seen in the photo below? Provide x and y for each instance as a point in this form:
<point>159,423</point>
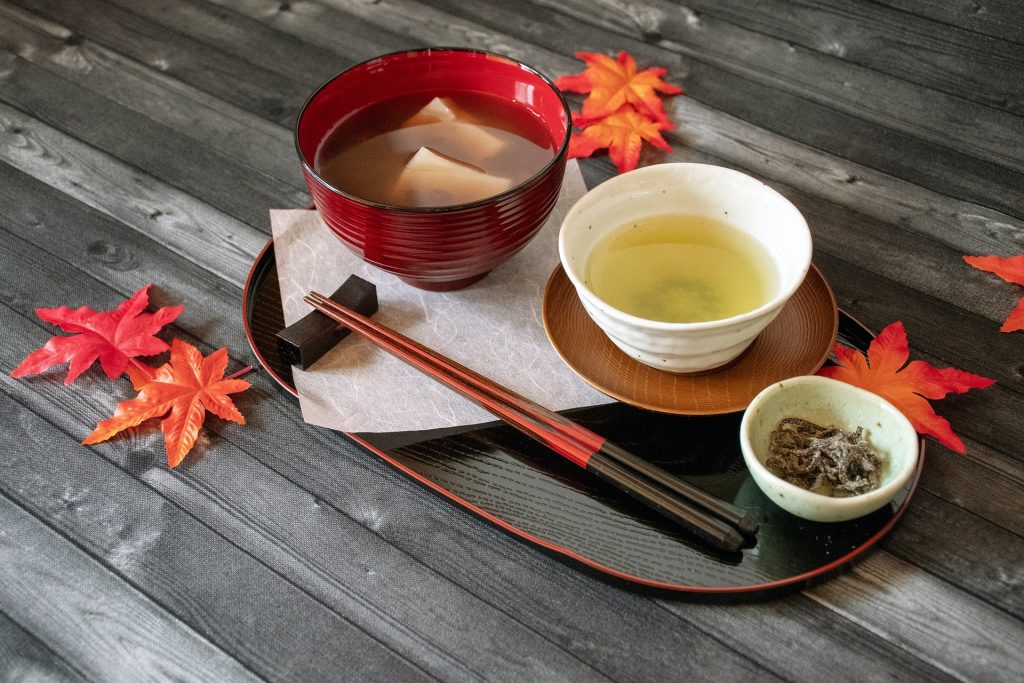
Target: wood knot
<point>113,255</point>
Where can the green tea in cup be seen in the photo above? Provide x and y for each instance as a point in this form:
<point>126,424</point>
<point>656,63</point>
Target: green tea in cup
<point>681,269</point>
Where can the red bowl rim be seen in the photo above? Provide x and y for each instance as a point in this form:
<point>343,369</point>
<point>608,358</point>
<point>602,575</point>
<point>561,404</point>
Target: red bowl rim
<point>559,154</point>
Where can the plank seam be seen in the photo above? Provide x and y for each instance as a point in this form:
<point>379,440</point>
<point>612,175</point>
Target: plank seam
<point>945,23</point>
<point>128,584</point>
<point>53,653</point>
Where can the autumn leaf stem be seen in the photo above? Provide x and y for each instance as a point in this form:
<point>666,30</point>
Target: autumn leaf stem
<point>141,367</point>
<point>243,371</point>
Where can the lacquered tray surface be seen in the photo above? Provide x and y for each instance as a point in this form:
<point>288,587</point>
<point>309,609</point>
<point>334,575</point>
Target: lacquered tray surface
<point>518,485</point>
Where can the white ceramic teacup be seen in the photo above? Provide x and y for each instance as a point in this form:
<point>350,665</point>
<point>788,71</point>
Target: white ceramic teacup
<point>686,189</point>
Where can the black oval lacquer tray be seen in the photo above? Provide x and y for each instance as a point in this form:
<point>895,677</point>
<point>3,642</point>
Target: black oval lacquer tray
<point>521,487</point>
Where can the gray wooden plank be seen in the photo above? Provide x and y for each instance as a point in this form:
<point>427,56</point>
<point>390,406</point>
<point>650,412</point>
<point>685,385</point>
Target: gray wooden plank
<point>208,237</point>
<point>941,57</point>
<point>249,139</point>
<point>793,635</point>
<point>257,44</point>
<point>112,257</point>
<point>26,659</point>
<point>946,120</point>
<point>815,122</point>
<point>1000,18</point>
<point>330,556</point>
<point>710,89</point>
<point>951,544</point>
<point>209,175</point>
<point>909,607</point>
<point>985,482</point>
<point>222,75</point>
<point>958,224</point>
<point>90,617</point>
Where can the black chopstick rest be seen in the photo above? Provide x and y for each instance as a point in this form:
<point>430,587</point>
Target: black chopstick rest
<point>306,341</point>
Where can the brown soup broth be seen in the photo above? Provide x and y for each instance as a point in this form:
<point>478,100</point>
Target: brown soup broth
<point>366,152</point>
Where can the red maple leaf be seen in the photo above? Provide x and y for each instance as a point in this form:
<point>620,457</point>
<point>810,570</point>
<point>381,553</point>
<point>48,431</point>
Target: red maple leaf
<point>112,337</point>
<point>907,388</point>
<point>622,133</point>
<point>613,83</point>
<point>183,390</point>
<point>1012,270</point>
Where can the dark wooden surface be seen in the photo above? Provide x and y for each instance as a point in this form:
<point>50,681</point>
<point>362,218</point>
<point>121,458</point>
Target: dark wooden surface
<point>145,141</point>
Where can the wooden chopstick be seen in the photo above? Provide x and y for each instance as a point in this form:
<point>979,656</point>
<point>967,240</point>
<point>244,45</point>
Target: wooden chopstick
<point>710,518</point>
<point>743,520</point>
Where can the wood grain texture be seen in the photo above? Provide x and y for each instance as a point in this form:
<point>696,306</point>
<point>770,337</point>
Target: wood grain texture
<point>219,243</point>
<point>959,634</point>
<point>249,139</point>
<point>944,58</point>
<point>208,68</point>
<point>144,454</point>
<point>144,142</point>
<point>813,123</point>
<point>101,626</point>
<point>784,65</point>
<point>24,658</point>
<point>228,596</point>
<point>988,17</point>
<point>202,172</point>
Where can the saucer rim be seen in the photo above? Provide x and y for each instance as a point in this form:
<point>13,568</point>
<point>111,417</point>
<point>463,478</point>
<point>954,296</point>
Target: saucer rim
<point>546,317</point>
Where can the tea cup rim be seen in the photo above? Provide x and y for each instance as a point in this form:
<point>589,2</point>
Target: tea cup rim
<point>584,290</point>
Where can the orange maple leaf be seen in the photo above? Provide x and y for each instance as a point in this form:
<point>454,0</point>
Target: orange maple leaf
<point>615,82</point>
<point>623,133</point>
<point>908,388</point>
<point>1010,269</point>
<point>187,387</point>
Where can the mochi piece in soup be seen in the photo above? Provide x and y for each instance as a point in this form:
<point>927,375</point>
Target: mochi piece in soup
<point>433,179</point>
<point>437,110</point>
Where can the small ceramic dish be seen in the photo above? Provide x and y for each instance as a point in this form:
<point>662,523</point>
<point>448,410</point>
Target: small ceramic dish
<point>829,402</point>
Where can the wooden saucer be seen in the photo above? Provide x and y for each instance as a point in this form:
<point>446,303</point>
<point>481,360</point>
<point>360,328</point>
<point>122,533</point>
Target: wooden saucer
<point>797,342</point>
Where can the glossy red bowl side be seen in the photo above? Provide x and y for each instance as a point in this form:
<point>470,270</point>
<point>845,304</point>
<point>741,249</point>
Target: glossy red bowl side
<point>436,248</point>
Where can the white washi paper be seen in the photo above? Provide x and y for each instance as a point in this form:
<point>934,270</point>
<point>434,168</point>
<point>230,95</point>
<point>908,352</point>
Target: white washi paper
<point>493,327</point>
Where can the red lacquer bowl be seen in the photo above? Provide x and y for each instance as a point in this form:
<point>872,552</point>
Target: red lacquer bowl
<point>436,248</point>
